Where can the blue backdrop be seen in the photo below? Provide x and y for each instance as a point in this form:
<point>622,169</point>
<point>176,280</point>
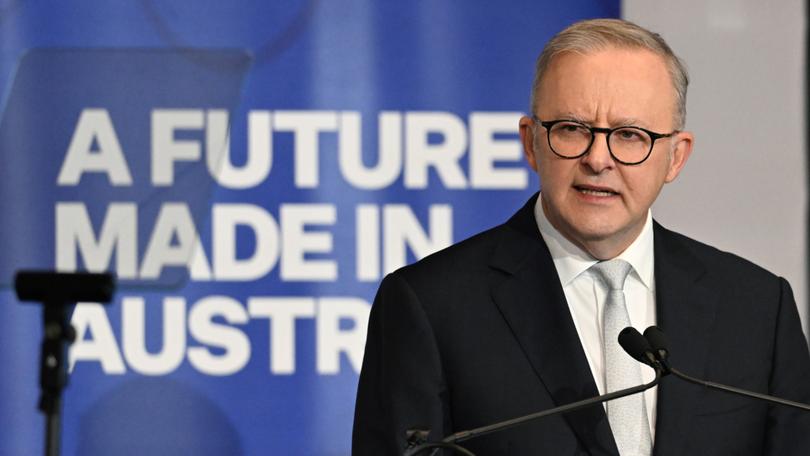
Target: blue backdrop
<point>250,170</point>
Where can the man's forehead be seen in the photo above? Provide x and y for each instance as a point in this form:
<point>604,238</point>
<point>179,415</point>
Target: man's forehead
<point>584,85</point>
<point>614,51</point>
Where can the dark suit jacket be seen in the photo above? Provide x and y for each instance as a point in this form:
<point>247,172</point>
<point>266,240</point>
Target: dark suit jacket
<point>481,332</point>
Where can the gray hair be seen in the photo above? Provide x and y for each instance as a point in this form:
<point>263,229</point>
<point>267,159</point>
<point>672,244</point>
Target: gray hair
<point>597,34</point>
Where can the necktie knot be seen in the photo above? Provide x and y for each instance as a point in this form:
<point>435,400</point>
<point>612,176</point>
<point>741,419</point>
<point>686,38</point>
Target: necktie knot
<point>612,273</point>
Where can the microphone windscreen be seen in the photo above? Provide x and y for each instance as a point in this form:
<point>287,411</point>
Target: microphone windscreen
<point>634,344</point>
<point>657,340</point>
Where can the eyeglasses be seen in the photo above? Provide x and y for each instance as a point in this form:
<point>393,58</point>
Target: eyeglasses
<point>627,145</point>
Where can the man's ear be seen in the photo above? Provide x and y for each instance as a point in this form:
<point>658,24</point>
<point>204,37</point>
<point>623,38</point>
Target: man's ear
<point>527,138</point>
<point>681,151</point>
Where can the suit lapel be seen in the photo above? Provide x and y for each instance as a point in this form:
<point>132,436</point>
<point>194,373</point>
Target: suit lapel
<point>685,312</point>
<point>531,300</point>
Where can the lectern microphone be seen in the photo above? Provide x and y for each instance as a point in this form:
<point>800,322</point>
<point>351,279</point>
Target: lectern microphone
<point>57,291</point>
<point>63,287</point>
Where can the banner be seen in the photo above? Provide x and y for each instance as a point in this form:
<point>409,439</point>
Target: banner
<point>250,171</point>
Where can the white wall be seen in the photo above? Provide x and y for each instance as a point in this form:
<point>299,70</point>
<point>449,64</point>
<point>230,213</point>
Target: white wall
<point>744,189</point>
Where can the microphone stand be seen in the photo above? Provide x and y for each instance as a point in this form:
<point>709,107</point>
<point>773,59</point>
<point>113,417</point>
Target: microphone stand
<point>742,392</point>
<point>57,292</point>
<point>451,441</point>
<point>658,342</point>
<point>53,376</point>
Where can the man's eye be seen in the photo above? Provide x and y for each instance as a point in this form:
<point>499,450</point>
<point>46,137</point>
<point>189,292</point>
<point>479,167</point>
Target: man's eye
<point>629,135</point>
<point>571,128</point>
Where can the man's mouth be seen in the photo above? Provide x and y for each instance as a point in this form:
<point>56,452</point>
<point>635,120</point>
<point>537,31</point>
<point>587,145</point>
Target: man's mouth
<point>595,191</point>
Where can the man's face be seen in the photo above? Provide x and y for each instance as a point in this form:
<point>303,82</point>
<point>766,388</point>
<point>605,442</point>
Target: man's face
<point>594,201</point>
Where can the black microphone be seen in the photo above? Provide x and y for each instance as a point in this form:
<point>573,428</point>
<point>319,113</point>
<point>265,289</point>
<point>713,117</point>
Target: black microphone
<point>631,341</point>
<point>658,342</point>
<point>61,287</point>
<point>655,337</point>
<point>638,347</point>
<point>57,291</point>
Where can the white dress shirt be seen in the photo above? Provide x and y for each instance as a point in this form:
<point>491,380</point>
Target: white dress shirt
<point>586,295</point>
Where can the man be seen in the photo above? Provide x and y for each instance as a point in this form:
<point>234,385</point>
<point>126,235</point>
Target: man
<point>524,317</point>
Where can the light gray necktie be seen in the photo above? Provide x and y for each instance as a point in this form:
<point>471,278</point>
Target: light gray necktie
<point>627,416</point>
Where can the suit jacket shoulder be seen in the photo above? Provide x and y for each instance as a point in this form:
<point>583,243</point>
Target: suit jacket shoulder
<point>714,260</point>
<point>732,322</point>
<point>488,254</point>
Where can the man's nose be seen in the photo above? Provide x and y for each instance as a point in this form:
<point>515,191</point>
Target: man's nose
<point>598,157</point>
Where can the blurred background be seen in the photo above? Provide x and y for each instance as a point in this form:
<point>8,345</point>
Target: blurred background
<point>251,170</point>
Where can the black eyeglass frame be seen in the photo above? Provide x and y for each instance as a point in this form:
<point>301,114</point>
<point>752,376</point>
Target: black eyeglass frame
<point>547,124</point>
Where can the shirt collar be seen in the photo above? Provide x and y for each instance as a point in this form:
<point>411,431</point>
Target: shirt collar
<point>571,261</point>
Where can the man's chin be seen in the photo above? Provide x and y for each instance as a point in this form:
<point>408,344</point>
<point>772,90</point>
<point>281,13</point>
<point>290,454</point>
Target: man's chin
<point>598,239</point>
<point>595,231</point>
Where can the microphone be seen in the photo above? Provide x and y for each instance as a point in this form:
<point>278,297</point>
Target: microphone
<point>631,341</point>
<point>638,347</point>
<point>57,291</point>
<point>62,287</point>
<point>657,340</point>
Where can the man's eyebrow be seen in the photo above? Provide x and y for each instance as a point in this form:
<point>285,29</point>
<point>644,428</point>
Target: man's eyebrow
<point>613,123</point>
<point>626,121</point>
<point>572,116</point>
